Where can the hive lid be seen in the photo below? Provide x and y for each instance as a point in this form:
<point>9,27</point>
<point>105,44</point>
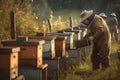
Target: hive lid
<point>22,43</point>
<point>76,28</point>
<point>61,37</point>
<point>9,49</point>
<point>22,38</point>
<point>75,31</point>
<point>46,38</point>
<point>61,34</point>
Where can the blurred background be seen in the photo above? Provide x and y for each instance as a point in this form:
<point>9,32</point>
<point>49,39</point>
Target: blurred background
<point>31,15</point>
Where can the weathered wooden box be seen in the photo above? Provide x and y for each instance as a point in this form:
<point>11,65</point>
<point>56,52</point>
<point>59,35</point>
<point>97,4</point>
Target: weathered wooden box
<point>83,31</point>
<point>48,46</point>
<point>60,44</point>
<point>9,63</point>
<point>69,40</point>
<point>30,54</point>
<point>77,34</point>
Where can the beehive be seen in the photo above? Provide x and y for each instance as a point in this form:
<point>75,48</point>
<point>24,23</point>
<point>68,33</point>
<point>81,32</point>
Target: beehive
<point>30,54</point>
<point>60,46</point>
<point>9,63</point>
<point>69,40</point>
<point>48,46</point>
<point>77,34</point>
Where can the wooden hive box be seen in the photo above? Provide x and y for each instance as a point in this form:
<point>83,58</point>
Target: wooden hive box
<point>69,40</point>
<point>48,46</point>
<point>9,63</point>
<point>30,55</point>
<point>60,46</point>
<point>77,35</point>
<point>83,30</point>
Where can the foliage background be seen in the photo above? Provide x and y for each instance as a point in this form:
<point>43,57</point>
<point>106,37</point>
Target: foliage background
<point>31,15</point>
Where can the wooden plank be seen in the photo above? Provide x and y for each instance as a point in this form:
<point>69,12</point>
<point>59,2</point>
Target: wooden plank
<point>12,25</point>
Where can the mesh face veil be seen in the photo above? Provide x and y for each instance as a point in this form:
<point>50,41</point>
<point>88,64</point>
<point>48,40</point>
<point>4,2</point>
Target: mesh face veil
<point>88,20</point>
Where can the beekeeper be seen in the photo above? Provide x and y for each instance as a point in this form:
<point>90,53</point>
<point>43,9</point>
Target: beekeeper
<point>100,35</point>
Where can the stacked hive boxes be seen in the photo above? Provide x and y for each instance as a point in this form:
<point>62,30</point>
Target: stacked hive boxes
<point>30,57</point>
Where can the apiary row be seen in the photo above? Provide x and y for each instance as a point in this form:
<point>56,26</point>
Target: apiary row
<point>35,55</point>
